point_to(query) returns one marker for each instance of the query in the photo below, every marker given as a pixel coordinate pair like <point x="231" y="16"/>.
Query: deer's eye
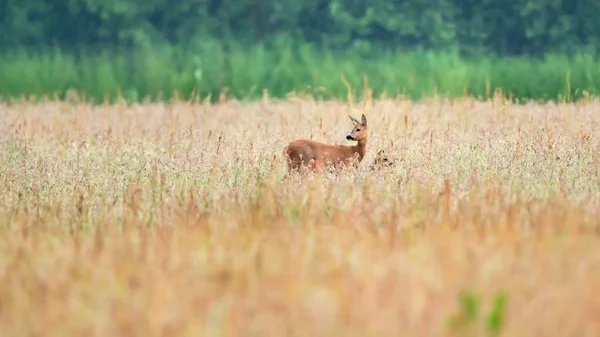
<point x="357" y="130"/>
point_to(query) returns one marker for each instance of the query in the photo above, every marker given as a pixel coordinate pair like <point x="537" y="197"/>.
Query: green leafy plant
<point x="466" y="319"/>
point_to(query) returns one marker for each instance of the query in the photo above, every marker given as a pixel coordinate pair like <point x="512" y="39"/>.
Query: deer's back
<point x="318" y="151"/>
<point x="305" y="148"/>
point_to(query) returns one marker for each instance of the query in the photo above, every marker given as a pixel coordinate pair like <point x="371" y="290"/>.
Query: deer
<point x="381" y="161"/>
<point x="313" y="156"/>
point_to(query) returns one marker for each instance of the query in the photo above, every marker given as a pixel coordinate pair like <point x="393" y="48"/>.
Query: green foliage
<point x="473" y="27"/>
<point x="153" y="48"/>
<point x="495" y="319"/>
<point x="244" y="72"/>
<point x="465" y="320"/>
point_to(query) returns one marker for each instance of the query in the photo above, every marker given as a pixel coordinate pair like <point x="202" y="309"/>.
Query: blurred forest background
<point x="541" y="49"/>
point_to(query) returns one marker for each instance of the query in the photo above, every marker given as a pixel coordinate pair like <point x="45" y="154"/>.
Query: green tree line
<point x="508" y="27"/>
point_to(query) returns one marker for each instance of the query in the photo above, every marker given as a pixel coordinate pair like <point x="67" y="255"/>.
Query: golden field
<point x="172" y="220"/>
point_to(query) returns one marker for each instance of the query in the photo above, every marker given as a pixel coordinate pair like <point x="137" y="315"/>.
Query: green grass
<point x="244" y="73"/>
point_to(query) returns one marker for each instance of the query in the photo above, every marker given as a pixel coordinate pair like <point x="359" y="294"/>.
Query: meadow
<point x="171" y="219"/>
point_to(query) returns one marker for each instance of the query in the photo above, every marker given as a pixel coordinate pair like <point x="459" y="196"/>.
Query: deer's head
<point x="381" y="161"/>
<point x="359" y="131"/>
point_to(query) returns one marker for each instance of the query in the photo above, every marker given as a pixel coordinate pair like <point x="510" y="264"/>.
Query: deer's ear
<point x="353" y="119"/>
<point x="364" y="120"/>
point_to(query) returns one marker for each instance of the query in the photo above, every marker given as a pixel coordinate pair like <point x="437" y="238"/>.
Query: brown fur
<point x="381" y="161"/>
<point x="315" y="156"/>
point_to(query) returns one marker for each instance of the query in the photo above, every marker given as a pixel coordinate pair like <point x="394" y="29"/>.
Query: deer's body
<point x="315" y="156"/>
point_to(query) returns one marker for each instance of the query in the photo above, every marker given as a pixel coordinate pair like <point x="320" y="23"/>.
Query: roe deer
<point x="381" y="161"/>
<point x="315" y="156"/>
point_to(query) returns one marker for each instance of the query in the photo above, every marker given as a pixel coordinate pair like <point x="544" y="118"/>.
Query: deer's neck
<point x="360" y="148"/>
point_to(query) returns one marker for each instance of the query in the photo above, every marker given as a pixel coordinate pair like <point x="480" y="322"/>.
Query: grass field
<point x="172" y="220"/>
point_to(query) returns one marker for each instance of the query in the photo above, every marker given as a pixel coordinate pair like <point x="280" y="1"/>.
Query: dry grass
<point x="172" y="220"/>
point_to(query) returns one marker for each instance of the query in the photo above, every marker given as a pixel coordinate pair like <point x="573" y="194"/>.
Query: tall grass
<point x="172" y="219"/>
<point x="243" y="73"/>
